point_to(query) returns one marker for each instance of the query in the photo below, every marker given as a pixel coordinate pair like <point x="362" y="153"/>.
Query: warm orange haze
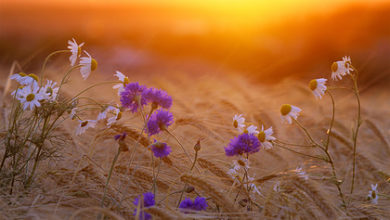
<point x="194" y="109"/>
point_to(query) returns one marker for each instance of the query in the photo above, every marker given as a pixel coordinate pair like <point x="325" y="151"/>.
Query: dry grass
<point x="72" y="187"/>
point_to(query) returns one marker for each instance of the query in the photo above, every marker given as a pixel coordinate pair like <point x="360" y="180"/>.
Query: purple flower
<point x="160" y="149"/>
<point x="198" y="204"/>
<point x="157" y="97"/>
<point x="244" y="143"/>
<point x="131" y="96"/>
<point x="148" y="198"/>
<point x="186" y="204"/>
<point x="158" y="121"/>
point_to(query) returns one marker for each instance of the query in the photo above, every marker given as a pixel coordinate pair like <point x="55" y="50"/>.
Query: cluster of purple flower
<point x="148" y="201"/>
<point x="244" y="143"/>
<point x="198" y="204"/>
<point x="160" y="149"/>
<point x="135" y="96"/>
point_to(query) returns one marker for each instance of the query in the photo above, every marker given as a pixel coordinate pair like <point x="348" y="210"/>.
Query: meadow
<point x="82" y="150"/>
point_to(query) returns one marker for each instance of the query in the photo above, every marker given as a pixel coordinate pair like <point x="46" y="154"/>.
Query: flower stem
<point x="47" y="59"/>
<point x="358" y="123"/>
<point x="109" y="175"/>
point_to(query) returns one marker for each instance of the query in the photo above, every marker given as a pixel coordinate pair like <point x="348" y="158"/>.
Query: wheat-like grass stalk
<point x="163" y="214"/>
<point x="213" y="168"/>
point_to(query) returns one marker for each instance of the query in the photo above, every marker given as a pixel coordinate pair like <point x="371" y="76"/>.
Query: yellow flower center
<point x="49" y="90"/>
<point x="126" y="81"/>
<point x="285" y="109"/>
<point x="235" y="123"/>
<point x="30" y="97"/>
<point x="241" y="163"/>
<point x="373" y="194"/>
<point x="159" y="145"/>
<point x="94" y="64"/>
<point x="22" y="74"/>
<point x="78" y="51"/>
<point x="35" y="77"/>
<point x="261" y="136"/>
<point x="334" y="67"/>
<point x="119" y="116"/>
<point x="84" y="123"/>
<point x="313" y="84"/>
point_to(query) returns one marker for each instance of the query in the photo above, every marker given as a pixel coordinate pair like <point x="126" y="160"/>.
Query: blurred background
<point x="266" y="41"/>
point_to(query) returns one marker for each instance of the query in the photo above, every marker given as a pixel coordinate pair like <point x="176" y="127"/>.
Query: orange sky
<point x="240" y="11"/>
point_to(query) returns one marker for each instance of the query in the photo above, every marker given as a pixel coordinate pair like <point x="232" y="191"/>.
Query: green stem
<point x="355" y="134"/>
<point x="307" y="133"/>
<point x="290" y="144"/>
<point x="297" y="152"/>
<point x="90" y="87"/>
<point x="185" y="185"/>
<point x="109" y="175"/>
<point x="332" y="120"/>
<point x="182" y="147"/>
<point x="47" y="59"/>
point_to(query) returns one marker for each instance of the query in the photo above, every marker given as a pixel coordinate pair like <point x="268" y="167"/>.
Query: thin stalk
<point x="47" y="59"/>
<point x="291" y="144"/>
<point x="185" y="185"/>
<point x="65" y="76"/>
<point x="358" y="123"/>
<point x="109" y="175"/>
<point x="155" y="180"/>
<point x="90" y="87"/>
<point x="297" y="152"/>
<point x="331" y="122"/>
<point x="307" y="133"/>
<point x="182" y="147"/>
<point x="335" y="176"/>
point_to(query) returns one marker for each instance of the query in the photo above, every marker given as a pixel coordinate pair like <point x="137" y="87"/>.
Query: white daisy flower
<point x="29" y="96"/>
<point x="252" y="186"/>
<point x="84" y="125"/>
<point x="373" y="194"/>
<point x="241" y="162"/>
<point x="239" y="122"/>
<point x="288" y="112"/>
<point x="120" y="86"/>
<point x="25" y="79"/>
<point x="252" y="130"/>
<point x="341" y="68"/>
<point x="88" y="65"/>
<point x="73" y="113"/>
<point x="75" y="49"/>
<point x="18" y="93"/>
<point x="49" y="91"/>
<point x="318" y="87"/>
<point x="302" y="174"/>
<point x="265" y="136"/>
<point x="117" y="115"/>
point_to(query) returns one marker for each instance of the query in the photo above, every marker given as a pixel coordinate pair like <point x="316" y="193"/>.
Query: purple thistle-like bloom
<point x="157" y="97"/>
<point x="198" y="204"/>
<point x="186" y="204"/>
<point x="158" y="121"/>
<point x="148" y="198"/>
<point x="244" y="143"/>
<point x="160" y="149"/>
<point x="131" y="96"/>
